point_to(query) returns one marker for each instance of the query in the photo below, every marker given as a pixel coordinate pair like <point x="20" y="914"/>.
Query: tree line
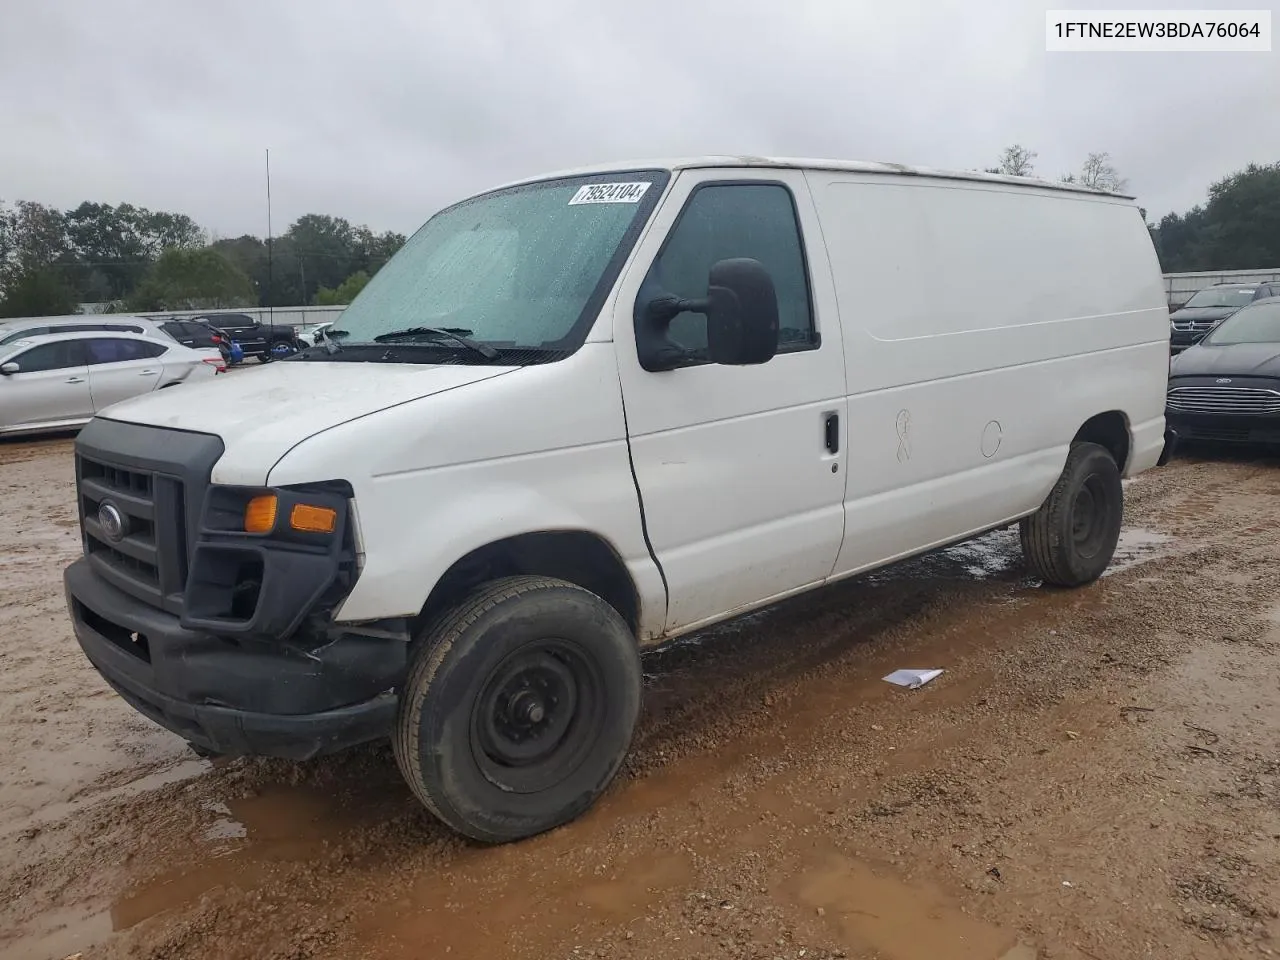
<point x="1237" y="228"/>
<point x="137" y="259"/>
<point x="132" y="258"/>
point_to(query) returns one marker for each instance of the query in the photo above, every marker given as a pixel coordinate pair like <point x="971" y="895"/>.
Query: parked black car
<point x="1211" y="305"/>
<point x="1227" y="387"/>
<point x="262" y="340"/>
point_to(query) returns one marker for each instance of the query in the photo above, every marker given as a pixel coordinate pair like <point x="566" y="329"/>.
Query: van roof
<point x="844" y="166"/>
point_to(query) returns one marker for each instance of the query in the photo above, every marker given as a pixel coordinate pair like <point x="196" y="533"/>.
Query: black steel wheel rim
<point x="1090" y="517"/>
<point x="537" y="716"/>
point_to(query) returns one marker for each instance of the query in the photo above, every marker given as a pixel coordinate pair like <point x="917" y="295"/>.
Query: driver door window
<point x="723" y="221"/>
<point x="51" y="356"/>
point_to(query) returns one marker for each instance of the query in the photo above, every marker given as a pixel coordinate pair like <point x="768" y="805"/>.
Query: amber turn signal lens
<point x="260" y="514"/>
<point x="308" y="519"/>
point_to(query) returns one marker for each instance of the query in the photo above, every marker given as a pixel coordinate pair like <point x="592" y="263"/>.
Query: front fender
<point x="542" y="448"/>
<point x="415" y="526"/>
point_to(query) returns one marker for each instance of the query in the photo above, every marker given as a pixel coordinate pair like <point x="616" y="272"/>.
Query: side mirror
<point x="741" y="308"/>
<point x="9" y="369"/>
<point x="742" y="313"/>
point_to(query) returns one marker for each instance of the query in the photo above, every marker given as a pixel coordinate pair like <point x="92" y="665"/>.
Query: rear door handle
<point x="75" y="379"/>
<point x="147" y="373"/>
<point x="831" y="433"/>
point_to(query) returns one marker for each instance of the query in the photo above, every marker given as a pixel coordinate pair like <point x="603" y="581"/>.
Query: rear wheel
<point x="1070" y="540"/>
<point x="518" y="709"/>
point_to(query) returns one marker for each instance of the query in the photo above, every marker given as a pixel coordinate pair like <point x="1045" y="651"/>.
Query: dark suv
<point x="262" y="340"/>
<point x="1210" y="306"/>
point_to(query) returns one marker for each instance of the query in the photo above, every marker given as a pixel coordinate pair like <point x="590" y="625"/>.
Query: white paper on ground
<point x="912" y="678"/>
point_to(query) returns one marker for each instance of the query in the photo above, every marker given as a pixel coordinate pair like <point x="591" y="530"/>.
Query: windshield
<point x="1259" y="323"/>
<point x="519" y="268"/>
<point x="1221" y="297"/>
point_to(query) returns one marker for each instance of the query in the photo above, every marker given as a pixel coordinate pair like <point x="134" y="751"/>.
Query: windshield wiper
<point x="456" y="334"/>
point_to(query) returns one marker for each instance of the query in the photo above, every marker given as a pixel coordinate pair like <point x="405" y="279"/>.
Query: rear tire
<point x="1070" y="540"/>
<point x="518" y="709"/>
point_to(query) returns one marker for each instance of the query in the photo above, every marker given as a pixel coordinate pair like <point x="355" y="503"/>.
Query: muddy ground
<point x="1094" y="777"/>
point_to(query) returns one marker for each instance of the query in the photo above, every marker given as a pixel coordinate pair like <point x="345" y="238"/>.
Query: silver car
<point x="59" y="381"/>
<point x="11" y="330"/>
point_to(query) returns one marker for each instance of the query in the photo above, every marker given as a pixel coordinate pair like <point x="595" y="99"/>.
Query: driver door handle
<point x="831" y="433"/>
<point x="75" y="379"/>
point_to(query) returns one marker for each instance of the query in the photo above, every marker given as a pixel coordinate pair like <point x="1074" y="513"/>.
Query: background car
<point x="59" y="381"/>
<point x="1227" y="387"/>
<point x="309" y="334"/>
<point x="11" y="330"/>
<point x="1210" y="306"/>
<point x="194" y="333"/>
<point x="266" y="341"/>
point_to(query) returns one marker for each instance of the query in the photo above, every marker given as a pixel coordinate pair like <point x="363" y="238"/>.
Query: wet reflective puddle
<point x="875" y="914"/>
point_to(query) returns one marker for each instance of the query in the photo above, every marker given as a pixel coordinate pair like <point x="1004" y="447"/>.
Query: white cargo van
<point x="582" y="414"/>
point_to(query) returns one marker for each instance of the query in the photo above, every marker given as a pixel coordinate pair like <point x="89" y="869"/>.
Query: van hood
<point x="261" y="413"/>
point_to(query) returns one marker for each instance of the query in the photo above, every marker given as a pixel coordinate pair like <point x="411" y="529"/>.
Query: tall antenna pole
<point x="270" y="304"/>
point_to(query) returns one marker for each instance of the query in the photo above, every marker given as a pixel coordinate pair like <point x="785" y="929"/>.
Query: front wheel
<point x="518" y="709"/>
<point x="1070" y="540"/>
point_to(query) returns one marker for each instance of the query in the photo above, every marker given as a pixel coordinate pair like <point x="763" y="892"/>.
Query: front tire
<point x="518" y="709"/>
<point x="1070" y="540"/>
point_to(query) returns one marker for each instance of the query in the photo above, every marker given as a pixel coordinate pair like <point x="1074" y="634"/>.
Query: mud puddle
<point x="878" y="915"/>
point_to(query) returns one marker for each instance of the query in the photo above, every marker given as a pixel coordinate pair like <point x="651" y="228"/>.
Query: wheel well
<point x="1110" y="430"/>
<point x="573" y="555"/>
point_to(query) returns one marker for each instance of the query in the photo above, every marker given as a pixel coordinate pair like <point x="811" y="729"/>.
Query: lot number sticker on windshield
<point x="610" y="193"/>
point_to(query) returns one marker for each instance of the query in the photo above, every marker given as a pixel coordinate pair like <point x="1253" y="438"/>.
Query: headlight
<point x="261" y="513"/>
<point x="304" y="515"/>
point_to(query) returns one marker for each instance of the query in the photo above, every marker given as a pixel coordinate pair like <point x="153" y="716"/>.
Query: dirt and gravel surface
<point x="1094" y="777"/>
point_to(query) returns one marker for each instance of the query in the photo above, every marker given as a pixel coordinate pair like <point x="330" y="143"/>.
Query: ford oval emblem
<point x="112" y="521"/>
<point x="1223" y="380"/>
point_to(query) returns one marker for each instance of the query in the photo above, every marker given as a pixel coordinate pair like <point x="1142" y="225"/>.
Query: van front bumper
<point x="298" y="699"/>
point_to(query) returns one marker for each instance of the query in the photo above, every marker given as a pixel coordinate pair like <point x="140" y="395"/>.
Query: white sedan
<point x="310" y="333"/>
<point x="59" y="381"/>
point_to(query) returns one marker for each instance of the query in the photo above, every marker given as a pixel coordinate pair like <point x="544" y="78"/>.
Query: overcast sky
<point x="382" y="111"/>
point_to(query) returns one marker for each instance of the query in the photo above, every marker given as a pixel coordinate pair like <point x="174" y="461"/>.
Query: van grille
<point x="138" y="561"/>
<point x="153" y="481"/>
<point x="1247" y="401"/>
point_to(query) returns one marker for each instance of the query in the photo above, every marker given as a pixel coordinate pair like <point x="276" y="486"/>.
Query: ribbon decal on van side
<point x="904" y="438"/>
